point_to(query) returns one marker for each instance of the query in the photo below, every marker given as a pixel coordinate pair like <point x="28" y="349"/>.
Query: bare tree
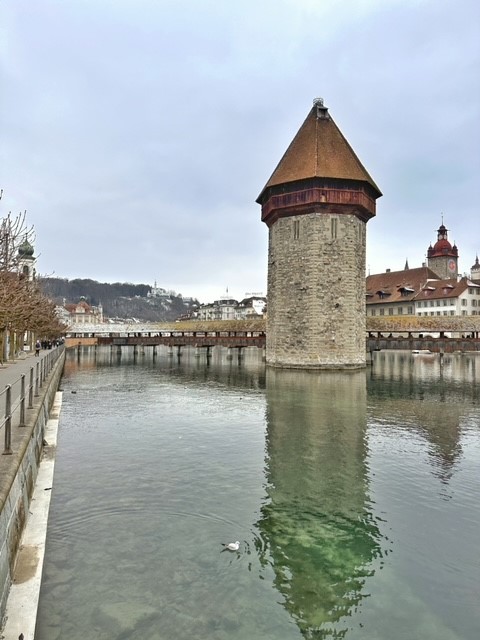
<point x="23" y="308"/>
<point x="14" y="231"/>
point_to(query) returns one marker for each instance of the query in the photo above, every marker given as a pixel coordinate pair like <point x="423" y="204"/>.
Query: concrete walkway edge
<point x="22" y="603"/>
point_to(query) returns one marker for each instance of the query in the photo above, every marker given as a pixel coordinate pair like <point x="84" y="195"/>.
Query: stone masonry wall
<point x="316" y="292"/>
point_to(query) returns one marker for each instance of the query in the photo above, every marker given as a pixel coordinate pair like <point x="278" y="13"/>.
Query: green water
<point x="355" y="499"/>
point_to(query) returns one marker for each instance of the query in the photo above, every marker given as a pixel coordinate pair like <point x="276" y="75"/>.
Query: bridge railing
<point x="18" y="396"/>
<point x="437" y="345"/>
<point x="187" y="338"/>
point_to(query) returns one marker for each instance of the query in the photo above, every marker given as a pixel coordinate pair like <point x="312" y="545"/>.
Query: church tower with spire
<point x="475" y="271"/>
<point x="26" y="260"/>
<point x="316" y="205"/>
<point x="442" y="258"/>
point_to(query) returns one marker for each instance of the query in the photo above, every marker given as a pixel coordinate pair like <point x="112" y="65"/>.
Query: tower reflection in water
<point x="316" y="528"/>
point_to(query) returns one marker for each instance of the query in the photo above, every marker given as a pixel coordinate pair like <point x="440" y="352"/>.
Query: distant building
<point x="393" y="292"/>
<point x="222" y="309"/>
<point x="433" y="290"/>
<point x="251" y="307"/>
<point x="227" y="308"/>
<point x="475" y="271"/>
<point x="448" y="298"/>
<point x="158" y="292"/>
<point x="63" y="314"/>
<point x="83" y="313"/>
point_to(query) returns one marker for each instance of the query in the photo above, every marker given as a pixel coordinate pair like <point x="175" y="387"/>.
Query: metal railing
<point x="19" y="396"/>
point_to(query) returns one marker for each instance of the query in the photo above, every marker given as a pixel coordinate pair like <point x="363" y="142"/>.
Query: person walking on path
<point x="37" y="348"/>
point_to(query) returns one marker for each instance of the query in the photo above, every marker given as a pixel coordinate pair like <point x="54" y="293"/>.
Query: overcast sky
<point x="137" y="134"/>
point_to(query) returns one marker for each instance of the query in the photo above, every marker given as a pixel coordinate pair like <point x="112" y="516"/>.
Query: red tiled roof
<point x="73" y="307"/>
<point x="450" y="288"/>
<point x="396" y="286"/>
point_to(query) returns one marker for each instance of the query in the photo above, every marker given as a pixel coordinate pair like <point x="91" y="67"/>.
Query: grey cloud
<point x="142" y="132"/>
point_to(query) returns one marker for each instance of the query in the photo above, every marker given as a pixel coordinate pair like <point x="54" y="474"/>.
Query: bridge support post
<point x="154" y="350"/>
<point x="229" y="353"/>
<point x="240" y="353"/>
<point x="170" y="351"/>
<point x="209" y="352"/>
<point x="179" y="351"/>
<point x="197" y="351"/>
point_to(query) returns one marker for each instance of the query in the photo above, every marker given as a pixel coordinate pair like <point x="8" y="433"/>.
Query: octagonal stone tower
<point x="316" y="205"/>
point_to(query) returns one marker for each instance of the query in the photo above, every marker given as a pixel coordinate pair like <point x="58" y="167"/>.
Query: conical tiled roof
<point x="319" y="150"/>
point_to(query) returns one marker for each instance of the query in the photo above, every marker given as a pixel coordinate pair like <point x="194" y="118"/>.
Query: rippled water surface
<point x="355" y="499"/>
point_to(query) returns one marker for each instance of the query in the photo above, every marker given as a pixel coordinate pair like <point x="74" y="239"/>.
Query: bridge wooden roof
<point x="423" y="324"/>
<point x="252" y="324"/>
<point x="319" y="150"/>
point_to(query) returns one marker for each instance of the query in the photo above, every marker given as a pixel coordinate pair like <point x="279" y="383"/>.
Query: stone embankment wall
<point x="18" y="473"/>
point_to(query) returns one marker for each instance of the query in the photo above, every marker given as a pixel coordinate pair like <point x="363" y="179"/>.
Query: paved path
<point x="10" y="374"/>
<point x="23" y="598"/>
<point x="11" y="371"/>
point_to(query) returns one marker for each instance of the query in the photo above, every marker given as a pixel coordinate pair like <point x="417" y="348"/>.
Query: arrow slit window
<point x="334" y="228"/>
<point x="296" y="229"/>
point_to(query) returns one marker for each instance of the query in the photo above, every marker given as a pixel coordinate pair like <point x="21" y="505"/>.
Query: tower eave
<point x="328" y="196"/>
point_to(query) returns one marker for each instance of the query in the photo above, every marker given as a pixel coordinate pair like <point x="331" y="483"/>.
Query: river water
<point x="355" y="498"/>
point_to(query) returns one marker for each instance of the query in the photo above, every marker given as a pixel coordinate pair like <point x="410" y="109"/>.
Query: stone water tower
<point x="316" y="205"/>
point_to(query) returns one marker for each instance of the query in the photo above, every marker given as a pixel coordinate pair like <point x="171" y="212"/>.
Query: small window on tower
<point x="333" y="227"/>
<point x="296" y="229"/>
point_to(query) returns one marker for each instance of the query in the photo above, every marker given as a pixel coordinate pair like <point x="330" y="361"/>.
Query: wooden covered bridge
<point x="447" y="334"/>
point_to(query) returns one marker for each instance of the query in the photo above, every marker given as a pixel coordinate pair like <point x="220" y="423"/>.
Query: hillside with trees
<point x="120" y="300"/>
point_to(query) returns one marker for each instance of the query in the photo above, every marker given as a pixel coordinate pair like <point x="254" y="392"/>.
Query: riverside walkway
<point x="11" y="372"/>
<point x="24" y="386"/>
<point x="13" y="369"/>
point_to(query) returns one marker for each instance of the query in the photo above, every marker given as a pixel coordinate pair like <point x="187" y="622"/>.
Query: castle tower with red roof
<point x="316" y="205"/>
<point x="442" y="258"/>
